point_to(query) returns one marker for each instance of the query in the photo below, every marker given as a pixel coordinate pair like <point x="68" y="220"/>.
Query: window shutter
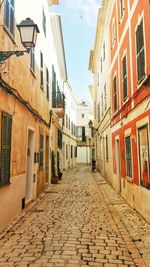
<point x="140" y="53"/>
<point x="41" y="70"/>
<point x="9" y="15"/>
<point x="124" y="78"/>
<point x="5" y="149"/>
<point x="115" y="94"/>
<point x="53" y="87"/>
<point x="83" y="134"/>
<point x="41" y="149"/>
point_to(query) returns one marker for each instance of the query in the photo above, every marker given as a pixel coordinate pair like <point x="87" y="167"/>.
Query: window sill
<point x="143" y="81"/>
<point x="125" y="100"/>
<point x="4" y="185"/>
<point x="12" y="37"/>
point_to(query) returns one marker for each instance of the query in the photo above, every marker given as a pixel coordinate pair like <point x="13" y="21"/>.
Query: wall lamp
<point x="93" y="130"/>
<point x="28" y="34"/>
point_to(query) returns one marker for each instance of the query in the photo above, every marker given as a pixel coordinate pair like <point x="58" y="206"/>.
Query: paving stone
<point x="85" y="223"/>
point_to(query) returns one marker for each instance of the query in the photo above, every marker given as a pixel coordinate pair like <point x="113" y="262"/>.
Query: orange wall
<point x="120" y="132"/>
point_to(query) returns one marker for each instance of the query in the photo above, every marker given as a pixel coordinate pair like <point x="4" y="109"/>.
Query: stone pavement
<point x="79" y="222"/>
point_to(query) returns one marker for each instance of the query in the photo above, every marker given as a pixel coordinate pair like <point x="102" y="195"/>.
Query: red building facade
<point x="130" y="100"/>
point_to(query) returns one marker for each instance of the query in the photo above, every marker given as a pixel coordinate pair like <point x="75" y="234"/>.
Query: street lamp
<point x="93" y="130"/>
<point x="28" y="34"/>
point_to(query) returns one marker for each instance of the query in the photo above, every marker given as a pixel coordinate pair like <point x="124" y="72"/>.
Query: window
<point x="47" y="84"/>
<point x="66" y="121"/>
<point x="144" y="158"/>
<point x="44" y="23"/>
<point x="124" y="78"/>
<point x="75" y="152"/>
<point x="32" y="59"/>
<point x="102" y="105"/>
<point x="82" y="115"/>
<point x="101" y="65"/>
<point x="106" y="147"/>
<point x="103" y="51"/>
<point x="115" y="93"/>
<point x="9" y="16"/>
<point x="80" y="131"/>
<point x="140" y="53"/>
<point x="121" y="8"/>
<point x="59" y="139"/>
<point x="98" y="112"/>
<point x="113" y="33"/>
<point x="128" y="156"/>
<point x="66" y="151"/>
<point x="69" y="123"/>
<point x="41" y="70"/>
<point x="71" y="127"/>
<point x="71" y="151"/>
<point x="41" y="149"/>
<point x="5" y="149"/>
<point x="53" y="88"/>
<point x="105" y="97"/>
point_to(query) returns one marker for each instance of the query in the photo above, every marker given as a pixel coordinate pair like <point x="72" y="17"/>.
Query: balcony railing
<point x="58" y="100"/>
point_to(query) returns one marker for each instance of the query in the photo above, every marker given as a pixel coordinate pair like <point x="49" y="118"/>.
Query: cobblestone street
<point x="82" y="222"/>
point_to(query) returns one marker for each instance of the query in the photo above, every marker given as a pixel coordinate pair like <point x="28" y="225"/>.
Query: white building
<point x="99" y="65"/>
<point x="83" y="133"/>
<point x="69" y="128"/>
<point x="59" y="78"/>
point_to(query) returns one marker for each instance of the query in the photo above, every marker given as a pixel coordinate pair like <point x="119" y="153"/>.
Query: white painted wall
<point x="69" y="139"/>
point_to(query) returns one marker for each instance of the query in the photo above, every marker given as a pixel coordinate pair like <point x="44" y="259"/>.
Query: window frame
<point x="115" y="95"/>
<point x="7" y="21"/>
<point x="106" y="148"/>
<point x="142" y="126"/>
<point x="44" y="22"/>
<point x="130" y="175"/>
<point x="5" y="147"/>
<point x="41" y="150"/>
<point x="139" y="81"/>
<point x="41" y="71"/>
<point x="32" y="60"/>
<point x="47" y="84"/>
<point x="113" y="33"/>
<point x="125" y="77"/>
<point x="122" y="10"/>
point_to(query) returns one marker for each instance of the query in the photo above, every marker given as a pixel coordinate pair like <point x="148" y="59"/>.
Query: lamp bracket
<point x="6" y="54"/>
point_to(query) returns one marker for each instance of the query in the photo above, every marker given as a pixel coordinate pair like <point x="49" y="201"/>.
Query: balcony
<point x="58" y="103"/>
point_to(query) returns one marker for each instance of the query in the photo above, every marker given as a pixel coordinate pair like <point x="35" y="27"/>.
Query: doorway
<point x="118" y="166"/>
<point x="144" y="156"/>
<point x="47" y="159"/>
<point x="30" y="162"/>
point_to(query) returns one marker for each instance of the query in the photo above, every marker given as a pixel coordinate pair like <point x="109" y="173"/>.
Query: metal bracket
<point x="6" y="54"/>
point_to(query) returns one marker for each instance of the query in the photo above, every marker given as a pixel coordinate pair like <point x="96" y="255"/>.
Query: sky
<point x="79" y="19"/>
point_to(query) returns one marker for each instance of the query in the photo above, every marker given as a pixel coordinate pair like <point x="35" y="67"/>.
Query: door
<point x="30" y="162"/>
<point x="118" y="166"/>
<point x="47" y="158"/>
<point x="144" y="156"/>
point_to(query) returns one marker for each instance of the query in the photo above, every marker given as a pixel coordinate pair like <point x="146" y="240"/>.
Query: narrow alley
<point x="81" y="221"/>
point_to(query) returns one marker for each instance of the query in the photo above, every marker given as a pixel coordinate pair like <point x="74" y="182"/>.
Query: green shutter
<point x="124" y="77"/>
<point x="53" y="87"/>
<point x="140" y="53"/>
<point x="5" y="149"/>
<point x="115" y="93"/>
